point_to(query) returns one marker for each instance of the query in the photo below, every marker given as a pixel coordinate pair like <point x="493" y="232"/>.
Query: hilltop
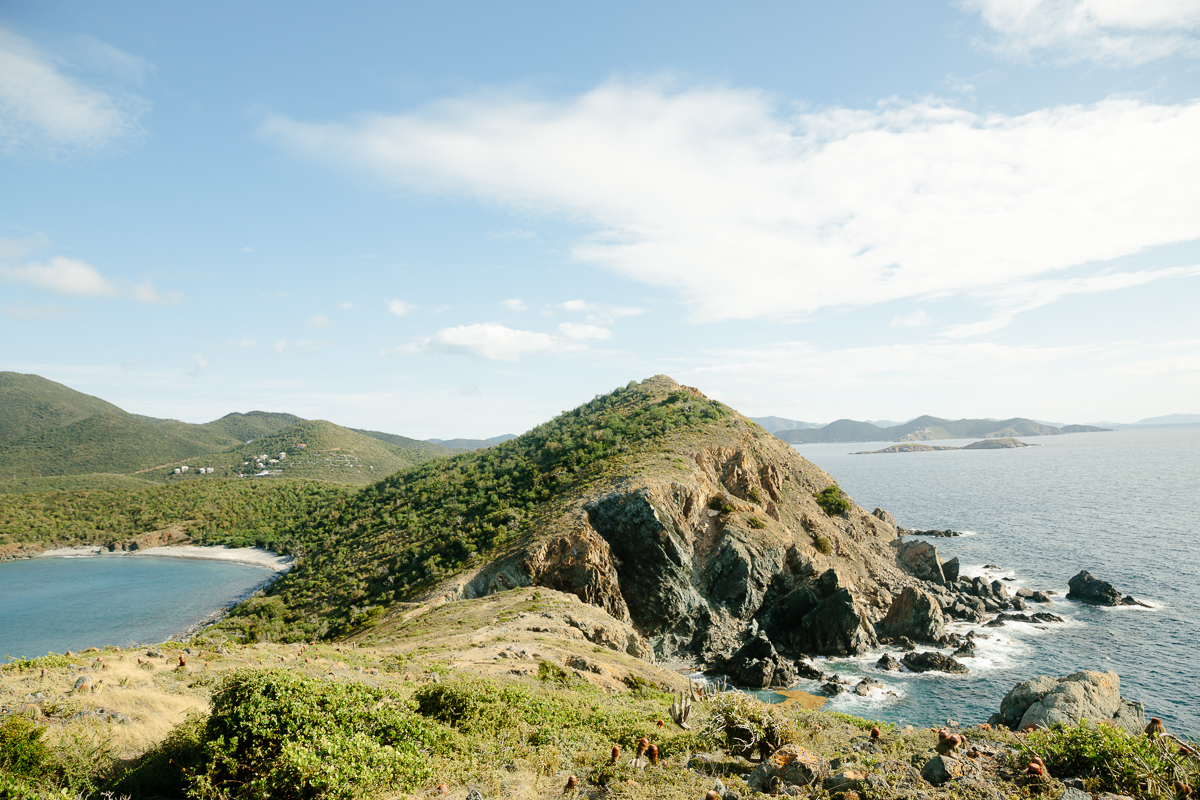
<point x="670" y="511"/>
<point x="926" y="428"/>
<point x="48" y="431"/>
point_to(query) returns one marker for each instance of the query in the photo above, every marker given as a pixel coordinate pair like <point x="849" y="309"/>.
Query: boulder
<point x="945" y="768"/>
<point x="864" y="687"/>
<point x="1086" y="588"/>
<point x="884" y="516"/>
<point x="968" y="650"/>
<point x="950" y="570"/>
<point x="932" y="662"/>
<point x="838" y="626"/>
<point x="1094" y="696"/>
<point x="791" y="764"/>
<point x="888" y="662"/>
<point x="920" y="559"/>
<point x="756" y="665"/>
<point x="914" y="614"/>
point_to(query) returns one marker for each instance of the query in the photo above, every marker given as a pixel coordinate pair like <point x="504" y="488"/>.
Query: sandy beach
<point x="254" y="556"/>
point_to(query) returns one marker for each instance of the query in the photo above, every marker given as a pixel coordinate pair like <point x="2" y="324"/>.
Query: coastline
<point x="252" y="556"/>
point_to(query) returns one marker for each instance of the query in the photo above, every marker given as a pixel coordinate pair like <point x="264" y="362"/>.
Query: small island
<point x="1003" y="443"/>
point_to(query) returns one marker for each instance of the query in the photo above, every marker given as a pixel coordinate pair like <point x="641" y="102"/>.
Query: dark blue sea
<point x="59" y="604"/>
<point x="1123" y="505"/>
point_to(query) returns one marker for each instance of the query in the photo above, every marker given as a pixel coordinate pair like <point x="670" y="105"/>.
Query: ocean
<point x="1118" y="504"/>
<point x="59" y="604"/>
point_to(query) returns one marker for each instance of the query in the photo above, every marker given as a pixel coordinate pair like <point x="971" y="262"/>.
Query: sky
<point x="459" y="219"/>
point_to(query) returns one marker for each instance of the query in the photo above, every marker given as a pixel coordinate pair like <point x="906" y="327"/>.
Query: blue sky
<point x="459" y="219"/>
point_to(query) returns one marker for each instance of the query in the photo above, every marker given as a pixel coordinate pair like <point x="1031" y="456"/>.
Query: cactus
<point x="681" y="709"/>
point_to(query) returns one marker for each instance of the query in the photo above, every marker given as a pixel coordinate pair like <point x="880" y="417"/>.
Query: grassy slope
<point x="405" y="443"/>
<point x="33" y="404"/>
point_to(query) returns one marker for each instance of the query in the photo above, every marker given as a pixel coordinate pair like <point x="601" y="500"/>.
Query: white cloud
<point x="281" y="346"/>
<point x="345" y="305"/>
<point x="12" y="249"/>
<point x="44" y="111"/>
<point x="577" y="305"/>
<point x="1113" y="31"/>
<point x="146" y="293"/>
<point x="243" y="344"/>
<point x="319" y="322"/>
<point x="571" y="330"/>
<point x="492" y="341"/>
<point x="514" y="304"/>
<point x="400" y="307"/>
<point x="749" y="212"/>
<point x="62" y="276"/>
<point x="916" y="319"/>
<point x="1011" y="300"/>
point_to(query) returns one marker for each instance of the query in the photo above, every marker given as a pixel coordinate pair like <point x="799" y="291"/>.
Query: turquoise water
<point x="59" y="604"/>
<point x="1121" y="505"/>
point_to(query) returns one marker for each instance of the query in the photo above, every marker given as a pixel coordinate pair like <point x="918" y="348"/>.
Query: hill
<point x="472" y="444"/>
<point x="1171" y="419"/>
<point x="311" y="449"/>
<point x="775" y="424"/>
<point x="668" y="510"/>
<point x="926" y="428"/>
<point x="50" y="431"/>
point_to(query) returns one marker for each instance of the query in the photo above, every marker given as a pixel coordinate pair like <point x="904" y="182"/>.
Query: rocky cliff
<point x="714" y="537"/>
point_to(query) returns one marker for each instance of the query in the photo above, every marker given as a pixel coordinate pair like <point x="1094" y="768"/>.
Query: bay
<point x="59" y="604"/>
<point x="1120" y="505"/>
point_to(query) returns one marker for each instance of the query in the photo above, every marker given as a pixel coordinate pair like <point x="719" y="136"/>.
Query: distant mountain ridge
<point x="925" y="428"/>
<point x="1171" y="419"/>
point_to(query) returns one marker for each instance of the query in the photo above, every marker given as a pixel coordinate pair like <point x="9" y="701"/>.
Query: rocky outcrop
<point x="757" y="665"/>
<point x="932" y="662"/>
<point x="1045" y="700"/>
<point x="915" y="614"/>
<point x="790" y="765"/>
<point x="921" y="560"/>
<point x="1086" y="588"/>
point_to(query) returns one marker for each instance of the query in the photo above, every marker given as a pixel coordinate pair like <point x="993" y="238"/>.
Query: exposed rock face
<point x="932" y="662"/>
<point x="838" y="626"/>
<point x="921" y="559"/>
<point x="950" y="570"/>
<point x="757" y="665"/>
<point x="945" y="768"/>
<point x="792" y="765"/>
<point x="1087" y="588"/>
<point x="914" y="614"/>
<point x="1094" y="696"/>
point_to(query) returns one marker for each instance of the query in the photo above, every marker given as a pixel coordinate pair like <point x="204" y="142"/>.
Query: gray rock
<point x="932" y="662"/>
<point x="888" y="662"/>
<point x="474" y="794"/>
<point x="968" y="650"/>
<point x="791" y="764"/>
<point x="866" y="685"/>
<point x="838" y="627"/>
<point x="942" y="769"/>
<point x="757" y="665"/>
<point x="920" y="559"/>
<point x="1089" y="589"/>
<point x="1095" y="696"/>
<point x="1075" y="794"/>
<point x="880" y="514"/>
<point x="914" y="614"/>
<point x="950" y="570"/>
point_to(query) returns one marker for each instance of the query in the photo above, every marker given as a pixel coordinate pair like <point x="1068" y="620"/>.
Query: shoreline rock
<point x="1087" y="588"/>
<point x="1045" y="701"/>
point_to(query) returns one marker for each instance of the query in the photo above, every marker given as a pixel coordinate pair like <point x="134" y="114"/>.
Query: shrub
<point x="747" y="727"/>
<point x="280" y="735"/>
<point x="832" y="501"/>
<point x="755" y="495"/>
<point x="1117" y="760"/>
<point x="823" y="545"/>
<point x="756" y="523"/>
<point x="23" y="754"/>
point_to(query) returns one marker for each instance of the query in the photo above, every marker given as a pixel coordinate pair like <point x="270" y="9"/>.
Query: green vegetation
<point x="400" y="535"/>
<point x="237" y="513"/>
<point x="832" y="501"/>
<point x="278" y="734"/>
<point x="1110" y="759"/>
<point x="823" y="545"/>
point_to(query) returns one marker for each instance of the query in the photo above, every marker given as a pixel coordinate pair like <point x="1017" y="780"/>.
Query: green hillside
<point x="923" y="428"/>
<point x="233" y="512"/>
<point x="32" y="404"/>
<point x="256" y="424"/>
<point x="312" y="449"/>
<point x="399" y="536"/>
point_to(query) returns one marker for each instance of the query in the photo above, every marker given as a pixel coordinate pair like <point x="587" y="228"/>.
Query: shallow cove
<point x="59" y="604"/>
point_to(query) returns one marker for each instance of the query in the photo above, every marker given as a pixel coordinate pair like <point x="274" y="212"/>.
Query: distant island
<point x="924" y="428"/>
<point x="913" y="447"/>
